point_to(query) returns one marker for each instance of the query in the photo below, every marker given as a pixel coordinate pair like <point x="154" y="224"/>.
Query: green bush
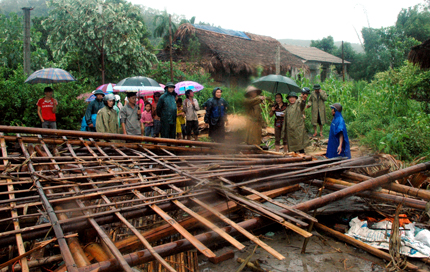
<point x="19" y="99"/>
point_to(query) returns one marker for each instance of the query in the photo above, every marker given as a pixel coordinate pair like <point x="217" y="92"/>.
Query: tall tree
<point x="161" y="23"/>
<point x="11" y="44"/>
<point x="325" y="44"/>
<point x="415" y="22"/>
<point x="96" y="36"/>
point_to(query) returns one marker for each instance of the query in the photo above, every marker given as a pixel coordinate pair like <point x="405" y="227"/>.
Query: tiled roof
<point x="312" y="54"/>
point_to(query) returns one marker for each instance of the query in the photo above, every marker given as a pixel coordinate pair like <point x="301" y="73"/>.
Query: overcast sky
<point x="290" y="19"/>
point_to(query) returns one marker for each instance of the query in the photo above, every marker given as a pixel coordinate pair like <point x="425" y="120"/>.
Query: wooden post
<point x="27" y="68"/>
<point x="278" y="60"/>
<point x="343" y="65"/>
<point x="170" y="46"/>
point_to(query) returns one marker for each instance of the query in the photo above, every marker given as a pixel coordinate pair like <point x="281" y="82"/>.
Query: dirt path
<point x="323" y="253"/>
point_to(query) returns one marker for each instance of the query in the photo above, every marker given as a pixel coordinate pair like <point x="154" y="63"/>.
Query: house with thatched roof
<point x="420" y="55"/>
<point x="317" y="60"/>
<point x="231" y="57"/>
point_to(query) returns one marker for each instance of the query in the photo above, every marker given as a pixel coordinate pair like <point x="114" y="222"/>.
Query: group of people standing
<point x="167" y="115"/>
<point x="290" y="117"/>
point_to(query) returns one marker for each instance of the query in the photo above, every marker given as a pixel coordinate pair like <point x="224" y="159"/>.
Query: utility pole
<point x="170" y="42"/>
<point x="343" y="65"/>
<point x="27" y="68"/>
<point x="278" y="60"/>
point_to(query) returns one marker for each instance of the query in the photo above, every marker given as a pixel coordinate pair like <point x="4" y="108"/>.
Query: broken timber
<point x="129" y="195"/>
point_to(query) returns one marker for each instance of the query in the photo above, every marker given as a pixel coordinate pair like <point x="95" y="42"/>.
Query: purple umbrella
<point x="182" y="86"/>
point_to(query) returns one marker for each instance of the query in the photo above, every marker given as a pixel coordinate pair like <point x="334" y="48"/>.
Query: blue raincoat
<point x="338" y="126"/>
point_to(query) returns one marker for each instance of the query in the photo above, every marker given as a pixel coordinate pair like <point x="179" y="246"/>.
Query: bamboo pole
<point x="65" y="251"/>
<point x="166" y="229"/>
<point x="113" y="136"/>
<point x="366" y="185"/>
<point x="183" y="245"/>
<point x="130" y="226"/>
<point x="14" y="213"/>
<point x="415" y="192"/>
<point x="101" y="232"/>
<point x="414" y="203"/>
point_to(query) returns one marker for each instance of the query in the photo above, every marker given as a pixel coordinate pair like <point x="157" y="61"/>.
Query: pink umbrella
<point x="182" y="86"/>
<point x="104" y="87"/>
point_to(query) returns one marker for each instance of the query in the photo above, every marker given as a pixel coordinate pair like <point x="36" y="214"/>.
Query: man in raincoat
<point x="93" y="108"/>
<point x="338" y="142"/>
<point x="107" y="117"/>
<point x="317" y="102"/>
<point x="294" y="123"/>
<point x="167" y="111"/>
<point x="255" y="120"/>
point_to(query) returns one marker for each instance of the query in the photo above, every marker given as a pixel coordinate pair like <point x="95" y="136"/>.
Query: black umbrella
<point x="276" y="84"/>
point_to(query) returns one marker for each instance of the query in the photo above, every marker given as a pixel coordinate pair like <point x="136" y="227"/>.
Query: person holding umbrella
<point x="278" y="110"/>
<point x="166" y="110"/>
<point x="107" y="117"/>
<point x="294" y="125"/>
<point x="255" y="120"/>
<point x="317" y="102"/>
<point x="216" y="115"/>
<point x="46" y="109"/>
<point x="93" y="108"/>
<point x="191" y="106"/>
<point x="130" y="116"/>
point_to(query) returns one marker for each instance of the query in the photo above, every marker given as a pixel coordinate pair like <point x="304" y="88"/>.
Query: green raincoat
<point x="318" y="107"/>
<point x="254" y="120"/>
<point x="294" y="126"/>
<point x="107" y="121"/>
<point x="167" y="111"/>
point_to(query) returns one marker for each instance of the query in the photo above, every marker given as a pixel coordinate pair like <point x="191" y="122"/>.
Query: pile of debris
<point x="80" y="201"/>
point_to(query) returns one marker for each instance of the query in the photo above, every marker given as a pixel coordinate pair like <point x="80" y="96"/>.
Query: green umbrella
<point x="276" y="84"/>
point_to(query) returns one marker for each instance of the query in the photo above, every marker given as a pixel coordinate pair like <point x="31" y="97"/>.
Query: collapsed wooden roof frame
<point x="106" y="170"/>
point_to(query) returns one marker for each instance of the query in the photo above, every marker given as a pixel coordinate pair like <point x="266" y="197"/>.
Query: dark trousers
<point x="217" y="132"/>
<point x="192" y="126"/>
<point x="49" y="124"/>
<point x="168" y="130"/>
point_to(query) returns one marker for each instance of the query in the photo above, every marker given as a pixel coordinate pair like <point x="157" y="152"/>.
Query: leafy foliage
<point x="415" y="22"/>
<point x="325" y="44"/>
<point x="382" y="114"/>
<point x="20" y="100"/>
<point x="11" y="45"/>
<point x="83" y="31"/>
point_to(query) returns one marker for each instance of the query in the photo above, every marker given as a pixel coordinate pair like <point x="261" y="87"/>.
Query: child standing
<point x="147" y="120"/>
<point x="180" y="119"/>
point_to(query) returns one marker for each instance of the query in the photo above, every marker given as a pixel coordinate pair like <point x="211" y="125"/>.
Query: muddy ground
<point x="323" y="254"/>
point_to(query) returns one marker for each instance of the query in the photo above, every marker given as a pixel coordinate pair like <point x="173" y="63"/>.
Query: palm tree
<point x="161" y="21"/>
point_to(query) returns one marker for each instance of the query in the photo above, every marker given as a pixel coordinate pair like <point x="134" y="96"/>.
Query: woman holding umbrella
<point x="255" y="121"/>
<point x="294" y="125"/>
<point x="216" y="115"/>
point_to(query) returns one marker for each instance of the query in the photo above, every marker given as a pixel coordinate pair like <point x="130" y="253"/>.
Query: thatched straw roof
<point x="420" y="55"/>
<point x="233" y="54"/>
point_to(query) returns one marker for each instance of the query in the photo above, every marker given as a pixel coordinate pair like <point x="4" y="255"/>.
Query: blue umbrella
<point x="50" y="75"/>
